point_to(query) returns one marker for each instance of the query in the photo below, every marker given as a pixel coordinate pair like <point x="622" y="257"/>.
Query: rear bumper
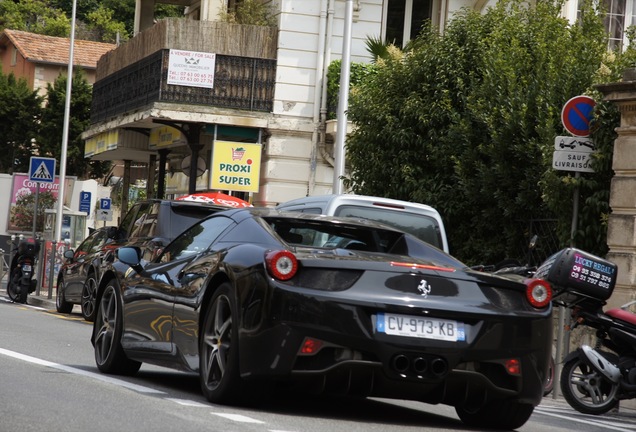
<point x="356" y="359"/>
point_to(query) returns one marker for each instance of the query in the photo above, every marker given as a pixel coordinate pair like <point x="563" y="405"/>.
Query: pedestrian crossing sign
<point x="42" y="169"/>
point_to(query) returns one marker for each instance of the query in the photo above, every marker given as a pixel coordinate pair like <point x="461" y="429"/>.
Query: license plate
<point x="419" y="327"/>
<point x="26" y="267"/>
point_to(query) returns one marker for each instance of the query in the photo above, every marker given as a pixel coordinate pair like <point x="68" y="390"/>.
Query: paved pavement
<point x="550" y="400"/>
<point x="42" y="301"/>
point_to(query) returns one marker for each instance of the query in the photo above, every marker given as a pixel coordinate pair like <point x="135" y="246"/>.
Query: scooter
<point x="593" y="379"/>
<point x="21" y="283"/>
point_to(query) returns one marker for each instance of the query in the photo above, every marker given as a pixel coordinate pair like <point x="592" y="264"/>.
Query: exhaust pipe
<point x="439" y="367"/>
<point x="420" y="365"/>
<point x="599" y="363"/>
<point x="401" y="363"/>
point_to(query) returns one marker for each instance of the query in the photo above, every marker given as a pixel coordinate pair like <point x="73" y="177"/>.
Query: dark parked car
<point x="76" y="281"/>
<point x="253" y="294"/>
<point x="149" y="224"/>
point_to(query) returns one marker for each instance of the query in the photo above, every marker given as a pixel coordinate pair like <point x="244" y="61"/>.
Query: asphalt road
<point x="49" y="382"/>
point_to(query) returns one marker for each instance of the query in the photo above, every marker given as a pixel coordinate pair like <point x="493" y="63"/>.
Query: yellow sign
<point x="235" y="166"/>
<point x="165" y="136"/>
<point x="100" y="143"/>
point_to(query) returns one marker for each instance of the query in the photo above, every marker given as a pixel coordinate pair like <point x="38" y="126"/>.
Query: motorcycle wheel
<point x="24" y="292"/>
<point x="586" y="390"/>
<point x="549" y="382"/>
<point x="13" y="288"/>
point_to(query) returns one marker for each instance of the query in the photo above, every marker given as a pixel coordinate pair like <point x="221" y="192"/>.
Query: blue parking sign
<point x="104" y="204"/>
<point x="85" y="202"/>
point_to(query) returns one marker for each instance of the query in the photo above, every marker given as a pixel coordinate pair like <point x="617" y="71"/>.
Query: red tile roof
<point x="39" y="48"/>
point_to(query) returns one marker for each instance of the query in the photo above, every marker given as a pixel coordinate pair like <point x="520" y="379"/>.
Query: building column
<point x="150" y="185"/>
<point x="125" y="189"/>
<point x="621" y="232"/>
<point x="161" y="182"/>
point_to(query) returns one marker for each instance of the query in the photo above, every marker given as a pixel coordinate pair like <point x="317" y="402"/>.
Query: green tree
<point x="250" y="12"/>
<point x="467" y="120"/>
<point x="35" y="16"/>
<point x="20" y="110"/>
<point x="107" y="29"/>
<point x="52" y="124"/>
<point x="22" y="212"/>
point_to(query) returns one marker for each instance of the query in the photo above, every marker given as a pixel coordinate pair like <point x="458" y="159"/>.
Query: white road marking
<point x="605" y="424"/>
<point x="69" y="369"/>
<point x="190" y="403"/>
<point x="8" y="300"/>
<point x="238" y="418"/>
<point x="121" y="383"/>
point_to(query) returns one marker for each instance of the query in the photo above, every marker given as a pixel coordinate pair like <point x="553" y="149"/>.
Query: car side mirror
<point x="131" y="256"/>
<point x="68" y="254"/>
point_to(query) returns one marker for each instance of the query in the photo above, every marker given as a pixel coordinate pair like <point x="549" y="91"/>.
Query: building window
<point x="619" y="15"/>
<point x="14" y="56"/>
<point x="404" y="19"/>
<point x="615" y="22"/>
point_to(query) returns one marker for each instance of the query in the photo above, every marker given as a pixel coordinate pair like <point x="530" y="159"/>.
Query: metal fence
<point x="547" y="241"/>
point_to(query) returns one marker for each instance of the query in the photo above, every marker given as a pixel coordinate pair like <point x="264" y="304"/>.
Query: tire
<point x="107" y="331"/>
<point x="549" y="382"/>
<point x="218" y="349"/>
<point x="88" y="298"/>
<point x="11" y="288"/>
<point x="500" y="414"/>
<point x="586" y="390"/>
<point x="24" y="292"/>
<point x="16" y="292"/>
<point x="61" y="304"/>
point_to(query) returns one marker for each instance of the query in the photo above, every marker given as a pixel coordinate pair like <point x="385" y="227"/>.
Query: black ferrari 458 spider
<point x="347" y="306"/>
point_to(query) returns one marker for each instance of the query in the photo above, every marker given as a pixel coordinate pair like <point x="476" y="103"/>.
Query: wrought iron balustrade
<point x="239" y="83"/>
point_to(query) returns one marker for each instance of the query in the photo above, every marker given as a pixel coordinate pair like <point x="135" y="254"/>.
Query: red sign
<point x="577" y="114"/>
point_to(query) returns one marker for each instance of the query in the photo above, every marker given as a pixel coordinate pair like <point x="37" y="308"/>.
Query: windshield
<point x="421" y="226"/>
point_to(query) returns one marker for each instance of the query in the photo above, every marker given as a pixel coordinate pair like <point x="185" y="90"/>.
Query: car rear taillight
<point x="538" y="292"/>
<point x="513" y="366"/>
<point x="281" y="264"/>
<point x="310" y="346"/>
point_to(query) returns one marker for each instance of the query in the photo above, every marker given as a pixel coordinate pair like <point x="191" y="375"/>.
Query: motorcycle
<point x="21" y="283"/>
<point x="593" y="379"/>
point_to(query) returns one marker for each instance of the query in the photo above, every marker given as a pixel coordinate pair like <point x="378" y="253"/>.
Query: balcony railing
<point x="239" y="83"/>
<point x="134" y="75"/>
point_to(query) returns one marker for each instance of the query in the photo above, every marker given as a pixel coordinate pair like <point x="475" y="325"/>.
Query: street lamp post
<point x="343" y="101"/>
<point x="67" y="109"/>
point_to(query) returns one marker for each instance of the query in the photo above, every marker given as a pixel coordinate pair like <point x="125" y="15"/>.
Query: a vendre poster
<point x="22" y="186"/>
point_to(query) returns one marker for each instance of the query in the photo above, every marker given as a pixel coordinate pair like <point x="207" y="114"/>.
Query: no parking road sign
<point x="577" y="114"/>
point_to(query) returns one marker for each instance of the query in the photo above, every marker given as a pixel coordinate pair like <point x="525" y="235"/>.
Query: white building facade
<point x="297" y="152"/>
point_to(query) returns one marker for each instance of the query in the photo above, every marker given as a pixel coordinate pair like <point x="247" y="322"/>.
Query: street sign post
<point x="85" y="202"/>
<point x="104" y="213"/>
<point x="573" y="154"/>
<point x="576" y="115"/>
<point x="42" y="169"/>
<point x="104" y="203"/>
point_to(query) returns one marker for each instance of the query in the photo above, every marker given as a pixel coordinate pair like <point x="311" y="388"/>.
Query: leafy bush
<point x="466" y="121"/>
